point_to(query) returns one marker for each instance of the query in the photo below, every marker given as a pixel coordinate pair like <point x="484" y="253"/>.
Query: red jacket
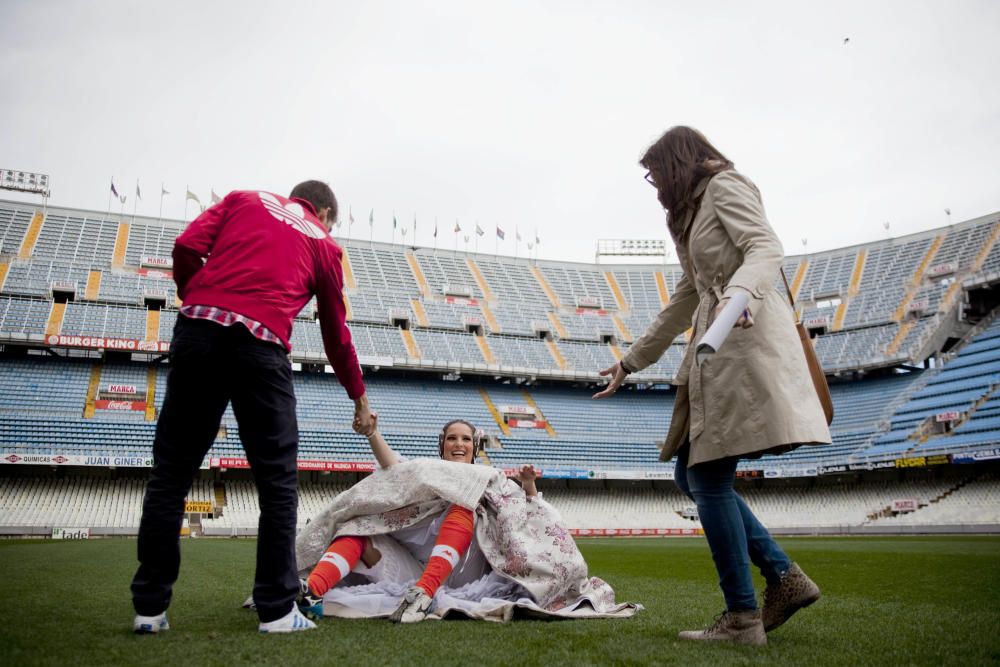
<point x="266" y="256"/>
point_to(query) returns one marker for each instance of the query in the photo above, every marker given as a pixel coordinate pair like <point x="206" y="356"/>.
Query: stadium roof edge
<point x="179" y="225"/>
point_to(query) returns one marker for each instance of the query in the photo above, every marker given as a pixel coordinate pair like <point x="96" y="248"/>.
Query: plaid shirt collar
<point x="227" y="318"/>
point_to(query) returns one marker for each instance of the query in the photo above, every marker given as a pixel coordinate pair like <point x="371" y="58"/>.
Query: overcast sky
<point x="522" y="114"/>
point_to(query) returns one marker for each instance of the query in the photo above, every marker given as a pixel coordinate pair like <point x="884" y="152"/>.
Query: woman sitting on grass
<point x="445" y="537"/>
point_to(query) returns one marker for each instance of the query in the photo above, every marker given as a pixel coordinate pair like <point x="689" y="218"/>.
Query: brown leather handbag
<point x="812" y="361"/>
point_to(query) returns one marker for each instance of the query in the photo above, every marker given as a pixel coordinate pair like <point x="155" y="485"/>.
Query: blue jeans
<point x="734" y="534"/>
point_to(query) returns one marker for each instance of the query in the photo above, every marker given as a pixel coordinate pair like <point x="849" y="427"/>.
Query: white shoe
<point x="414" y="607"/>
<point x="150" y="625"/>
<point x="293" y="621"/>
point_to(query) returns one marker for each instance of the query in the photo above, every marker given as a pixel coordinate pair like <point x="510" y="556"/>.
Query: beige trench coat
<point x="755" y="394"/>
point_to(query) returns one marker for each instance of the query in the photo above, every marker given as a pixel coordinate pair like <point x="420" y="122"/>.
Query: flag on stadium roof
<point x="114" y="190"/>
<point x="163" y="190"/>
<point x="371" y="218"/>
<point x="500" y="233"/>
<point x="350" y="216"/>
<point x="394" y="223"/>
<point x="458" y="227"/>
<point x="435" y="228"/>
<point x="479" y="230"/>
<point x="193" y="197"/>
<point x="138" y="193"/>
<point x="215" y="198"/>
<point x="517" y="234"/>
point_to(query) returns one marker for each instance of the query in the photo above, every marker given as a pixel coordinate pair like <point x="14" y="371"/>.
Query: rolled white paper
<point x="723" y="324"/>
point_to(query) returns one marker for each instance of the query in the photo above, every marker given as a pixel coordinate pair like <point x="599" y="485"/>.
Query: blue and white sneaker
<point x="150" y="625"/>
<point x="308" y="603"/>
<point x="293" y="621"/>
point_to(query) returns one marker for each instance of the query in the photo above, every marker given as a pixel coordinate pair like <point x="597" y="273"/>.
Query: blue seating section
<point x="42" y="405"/>
<point x="961" y="385"/>
<point x="579" y="306"/>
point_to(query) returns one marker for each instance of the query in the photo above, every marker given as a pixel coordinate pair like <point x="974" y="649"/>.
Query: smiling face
<point x="458" y="444"/>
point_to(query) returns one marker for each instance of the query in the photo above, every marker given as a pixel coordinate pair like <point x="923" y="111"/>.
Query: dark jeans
<point x="735" y="536"/>
<point x="211" y="365"/>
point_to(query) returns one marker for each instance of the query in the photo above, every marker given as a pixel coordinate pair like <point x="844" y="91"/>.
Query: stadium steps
<point x="852" y="290"/>
<point x="345" y="264"/>
<point x="484" y="347"/>
<point x="965" y="416"/>
<point x="557" y="326"/>
<point x="859" y="269"/>
<point x="497" y="417"/>
<point x="418" y="273"/>
<point x="544" y="284"/>
<point x="56" y="315"/>
<point x="151" y="393"/>
<point x="530" y="400"/>
<point x="348" y="313"/>
<point x="411" y="343"/>
<point x="121" y="244"/>
<point x="887" y="510"/>
<point x="950" y="491"/>
<point x="987" y="247"/>
<point x="477" y="275"/>
<point x="93" y="286"/>
<point x="661" y="288"/>
<point x="31" y="235"/>
<point x="220" y="497"/>
<point x="615" y="350"/>
<point x="800" y="275"/>
<point x="491" y="320"/>
<point x="918" y="276"/>
<point x="152" y="324"/>
<point x="4" y="268"/>
<point x="419" y="312"/>
<point x="622" y="329"/>
<point x="616" y="291"/>
<point x="556" y="354"/>
<point x="904" y="330"/>
<point x="92" y="388"/>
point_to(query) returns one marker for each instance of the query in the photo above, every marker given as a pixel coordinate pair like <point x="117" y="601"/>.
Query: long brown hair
<point x="677" y="162"/>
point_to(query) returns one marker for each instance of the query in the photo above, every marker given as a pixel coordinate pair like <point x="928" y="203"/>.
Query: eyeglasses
<point x="649" y="179"/>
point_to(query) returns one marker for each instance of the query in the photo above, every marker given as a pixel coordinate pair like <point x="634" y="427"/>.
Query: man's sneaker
<point x="739" y="627"/>
<point x="293" y="621"/>
<point x="414" y="607"/>
<point x="793" y="592"/>
<point x="309" y="604"/>
<point x="150" y="625"/>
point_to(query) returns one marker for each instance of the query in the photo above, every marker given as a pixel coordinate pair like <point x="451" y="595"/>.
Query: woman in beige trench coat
<point x="755" y="395"/>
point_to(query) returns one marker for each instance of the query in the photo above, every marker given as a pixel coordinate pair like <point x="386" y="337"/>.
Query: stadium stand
<point x="515" y="345"/>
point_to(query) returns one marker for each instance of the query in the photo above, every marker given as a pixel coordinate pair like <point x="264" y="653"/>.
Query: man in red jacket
<point x="244" y="269"/>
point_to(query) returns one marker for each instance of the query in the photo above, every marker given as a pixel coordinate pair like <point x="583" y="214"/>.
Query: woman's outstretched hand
<point x="526" y="475"/>
<point x="616" y="375"/>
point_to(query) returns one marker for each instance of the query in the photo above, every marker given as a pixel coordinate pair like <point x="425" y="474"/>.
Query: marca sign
<point x="156" y="262"/>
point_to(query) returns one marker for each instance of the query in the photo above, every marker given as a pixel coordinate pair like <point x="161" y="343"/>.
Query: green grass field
<point x="918" y="600"/>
